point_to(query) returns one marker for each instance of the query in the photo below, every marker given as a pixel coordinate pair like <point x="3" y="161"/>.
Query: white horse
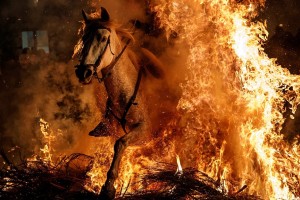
<point x="104" y="50"/>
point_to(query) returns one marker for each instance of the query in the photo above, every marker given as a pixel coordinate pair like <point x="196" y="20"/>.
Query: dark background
<point x="35" y="85"/>
<point x="60" y="18"/>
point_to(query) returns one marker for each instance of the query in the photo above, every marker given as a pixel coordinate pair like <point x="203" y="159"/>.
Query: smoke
<point x="50" y="92"/>
<point x="37" y="86"/>
<point x="46" y="86"/>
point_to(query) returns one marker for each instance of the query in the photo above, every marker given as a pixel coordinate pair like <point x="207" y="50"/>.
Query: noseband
<point x="111" y="65"/>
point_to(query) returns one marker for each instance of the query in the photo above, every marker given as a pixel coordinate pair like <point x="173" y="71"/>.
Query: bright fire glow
<point x="234" y="96"/>
<point x="179" y="167"/>
<point x="231" y="107"/>
<point x="102" y="159"/>
<point x="49" y="139"/>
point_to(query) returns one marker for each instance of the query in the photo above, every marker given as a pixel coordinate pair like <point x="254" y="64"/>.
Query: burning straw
<point x="168" y="183"/>
<point x="40" y="180"/>
<point x="65" y="180"/>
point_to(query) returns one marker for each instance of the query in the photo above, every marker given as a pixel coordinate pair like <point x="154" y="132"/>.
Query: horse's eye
<point x="104" y="39"/>
<point x="98" y="37"/>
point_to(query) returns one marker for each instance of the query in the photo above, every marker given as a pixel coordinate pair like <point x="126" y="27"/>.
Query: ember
<point x="191" y="184"/>
<point x="40" y="180"/>
<point x="64" y="180"/>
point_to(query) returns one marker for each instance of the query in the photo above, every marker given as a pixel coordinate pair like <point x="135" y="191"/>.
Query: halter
<point x="112" y="64"/>
<point x="122" y="120"/>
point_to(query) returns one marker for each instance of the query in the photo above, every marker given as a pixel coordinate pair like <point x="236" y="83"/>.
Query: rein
<point x="112" y="64"/>
<point x="131" y="101"/>
<point x="122" y="120"/>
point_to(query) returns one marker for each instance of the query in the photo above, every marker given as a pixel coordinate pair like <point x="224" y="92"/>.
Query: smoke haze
<point x="45" y="86"/>
<point x="36" y="85"/>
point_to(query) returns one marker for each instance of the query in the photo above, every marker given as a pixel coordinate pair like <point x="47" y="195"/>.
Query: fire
<point x="231" y="106"/>
<point x="234" y="96"/>
<point x="179" y="167"/>
<point x="100" y="166"/>
<point x="49" y="139"/>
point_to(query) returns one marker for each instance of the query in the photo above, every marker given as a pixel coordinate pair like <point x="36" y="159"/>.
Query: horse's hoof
<point x="101" y="130"/>
<point x="107" y="194"/>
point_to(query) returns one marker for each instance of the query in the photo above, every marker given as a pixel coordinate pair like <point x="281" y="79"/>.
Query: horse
<point x="104" y="49"/>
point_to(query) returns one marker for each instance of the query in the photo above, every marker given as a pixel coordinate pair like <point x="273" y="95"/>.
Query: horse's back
<point x="153" y="64"/>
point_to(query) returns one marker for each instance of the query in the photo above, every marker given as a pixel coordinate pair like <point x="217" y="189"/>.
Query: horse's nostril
<point x="78" y="73"/>
<point x="87" y="73"/>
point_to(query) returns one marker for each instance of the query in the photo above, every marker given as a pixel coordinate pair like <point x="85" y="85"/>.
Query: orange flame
<point x="179" y="167"/>
<point x="231" y="105"/>
<point x="97" y="174"/>
<point x="233" y="98"/>
<point x="49" y="139"/>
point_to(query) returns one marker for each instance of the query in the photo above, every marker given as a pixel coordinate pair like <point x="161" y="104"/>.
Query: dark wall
<point x="59" y="17"/>
<point x="34" y="85"/>
<point x="285" y="12"/>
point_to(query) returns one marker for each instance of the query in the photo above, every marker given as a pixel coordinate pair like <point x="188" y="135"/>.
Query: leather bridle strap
<point x="131" y="101"/>
<point x="99" y="59"/>
<point x="122" y="120"/>
<point x="112" y="64"/>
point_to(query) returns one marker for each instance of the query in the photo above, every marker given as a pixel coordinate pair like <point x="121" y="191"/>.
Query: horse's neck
<point x="113" y="48"/>
<point x="123" y="75"/>
<point x="124" y="65"/>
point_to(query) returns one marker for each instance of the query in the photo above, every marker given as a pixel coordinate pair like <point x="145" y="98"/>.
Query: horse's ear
<point x="85" y="16"/>
<point x="104" y="15"/>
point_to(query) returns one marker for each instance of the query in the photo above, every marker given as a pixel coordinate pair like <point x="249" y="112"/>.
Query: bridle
<point x="122" y="120"/>
<point x="111" y="65"/>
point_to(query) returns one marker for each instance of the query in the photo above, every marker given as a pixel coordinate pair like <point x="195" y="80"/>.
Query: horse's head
<point x="96" y="52"/>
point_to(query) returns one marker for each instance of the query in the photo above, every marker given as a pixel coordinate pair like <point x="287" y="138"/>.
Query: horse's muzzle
<point x="84" y="73"/>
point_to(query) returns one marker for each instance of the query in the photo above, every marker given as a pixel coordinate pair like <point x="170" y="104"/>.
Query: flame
<point x="234" y="96"/>
<point x="231" y="107"/>
<point x="179" y="167"/>
<point x="102" y="158"/>
<point x="49" y="139"/>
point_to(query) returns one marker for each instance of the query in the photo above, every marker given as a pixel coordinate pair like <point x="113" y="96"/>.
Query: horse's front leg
<point x="108" y="190"/>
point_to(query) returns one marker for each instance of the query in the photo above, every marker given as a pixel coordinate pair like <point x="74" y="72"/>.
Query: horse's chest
<point x="121" y="84"/>
<point x="119" y="92"/>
